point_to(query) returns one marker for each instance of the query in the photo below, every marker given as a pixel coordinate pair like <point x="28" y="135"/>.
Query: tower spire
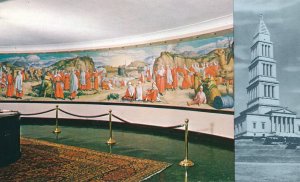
<point x="263" y="89"/>
<point x="261" y="17"/>
<point x="262" y="28"/>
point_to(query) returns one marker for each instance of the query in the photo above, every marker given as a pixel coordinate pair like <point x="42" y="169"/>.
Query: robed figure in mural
<point x="148" y="74"/>
<point x="186" y="83"/>
<point x="82" y="80"/>
<point x="96" y="79"/>
<point x="73" y="85"/>
<point x="19" y="85"/>
<point x="160" y="79"/>
<point x="10" y="85"/>
<point x="88" y="77"/>
<point x="199" y="99"/>
<point x="169" y="77"/>
<point x="67" y="81"/>
<point x="139" y="91"/>
<point x="152" y="94"/>
<point x="192" y="75"/>
<point x="58" y="92"/>
<point x="130" y="93"/>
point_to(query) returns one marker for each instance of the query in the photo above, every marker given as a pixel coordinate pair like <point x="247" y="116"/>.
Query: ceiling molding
<point x="197" y="29"/>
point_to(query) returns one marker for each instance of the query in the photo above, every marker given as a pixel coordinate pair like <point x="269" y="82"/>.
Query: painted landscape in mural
<point x="196" y="73"/>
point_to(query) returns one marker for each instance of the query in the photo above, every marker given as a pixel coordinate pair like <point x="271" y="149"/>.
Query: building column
<point x="293" y="125"/>
<point x="275" y="123"/>
<point x="284" y="124"/>
<point x="271" y="120"/>
<point x="289" y="123"/>
<point x="280" y="123"/>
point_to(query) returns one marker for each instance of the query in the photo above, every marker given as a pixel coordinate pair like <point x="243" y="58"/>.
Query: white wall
<point x="209" y="123"/>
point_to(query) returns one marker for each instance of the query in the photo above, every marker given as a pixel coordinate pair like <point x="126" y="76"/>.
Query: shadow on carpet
<point x="45" y="161"/>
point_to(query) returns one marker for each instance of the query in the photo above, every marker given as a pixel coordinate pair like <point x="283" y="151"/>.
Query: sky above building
<point x="282" y="21"/>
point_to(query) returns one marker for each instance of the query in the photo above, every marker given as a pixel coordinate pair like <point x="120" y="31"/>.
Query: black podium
<point x="9" y="137"/>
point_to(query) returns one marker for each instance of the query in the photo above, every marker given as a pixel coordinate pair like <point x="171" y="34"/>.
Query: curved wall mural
<point x="195" y="73"/>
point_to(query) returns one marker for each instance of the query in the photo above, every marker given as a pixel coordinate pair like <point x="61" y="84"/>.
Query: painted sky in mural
<point x="175" y="72"/>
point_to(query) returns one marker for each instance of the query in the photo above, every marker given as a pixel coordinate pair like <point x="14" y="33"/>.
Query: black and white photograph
<point x="267" y="87"/>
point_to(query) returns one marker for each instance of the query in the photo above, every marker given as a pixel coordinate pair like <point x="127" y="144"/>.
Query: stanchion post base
<point x="186" y="163"/>
<point x="56" y="131"/>
<point x="111" y="141"/>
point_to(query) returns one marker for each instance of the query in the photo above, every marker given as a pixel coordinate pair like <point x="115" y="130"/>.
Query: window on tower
<point x="263" y="125"/>
<point x="266" y="53"/>
<point x="254" y="125"/>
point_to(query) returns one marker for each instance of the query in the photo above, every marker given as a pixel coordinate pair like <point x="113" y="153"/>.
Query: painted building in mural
<point x="264" y="115"/>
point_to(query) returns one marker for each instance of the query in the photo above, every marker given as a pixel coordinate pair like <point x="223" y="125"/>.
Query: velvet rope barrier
<point x="38" y="113"/>
<point x="173" y="127"/>
<point x="95" y="116"/>
<point x="123" y="120"/>
<point x="168" y="127"/>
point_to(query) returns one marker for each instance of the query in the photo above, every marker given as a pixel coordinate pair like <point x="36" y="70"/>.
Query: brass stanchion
<point x="57" y="131"/>
<point x="186" y="175"/>
<point x="110" y="141"/>
<point x="186" y="162"/>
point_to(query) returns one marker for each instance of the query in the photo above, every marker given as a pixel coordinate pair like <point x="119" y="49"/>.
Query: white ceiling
<point x="34" y="23"/>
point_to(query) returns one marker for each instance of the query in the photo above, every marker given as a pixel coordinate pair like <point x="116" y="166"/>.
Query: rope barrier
<point x="121" y="119"/>
<point x="38" y="113"/>
<point x="186" y="162"/>
<point x="96" y="116"/>
<point x="167" y="127"/>
<point x="173" y="127"/>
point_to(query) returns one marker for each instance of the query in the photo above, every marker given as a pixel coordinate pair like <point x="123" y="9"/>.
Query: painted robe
<point x="10" y="85"/>
<point x="88" y="80"/>
<point x="82" y="81"/>
<point x="96" y="80"/>
<point x="58" y="93"/>
<point x="160" y="80"/>
<point x="73" y="85"/>
<point x="130" y="93"/>
<point x="19" y="86"/>
<point x="169" y="77"/>
<point x="67" y="81"/>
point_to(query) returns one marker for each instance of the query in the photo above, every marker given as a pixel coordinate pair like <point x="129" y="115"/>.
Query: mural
<point x="197" y="73"/>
